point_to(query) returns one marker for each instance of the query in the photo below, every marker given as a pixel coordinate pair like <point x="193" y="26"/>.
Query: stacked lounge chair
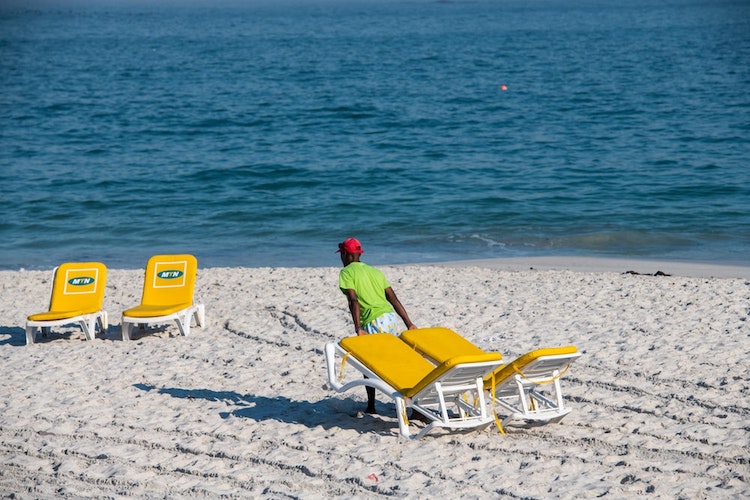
<point x="528" y="387"/>
<point x="450" y="381"/>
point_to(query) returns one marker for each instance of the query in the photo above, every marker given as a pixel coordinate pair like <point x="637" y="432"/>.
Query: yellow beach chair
<point x="449" y="395"/>
<point x="167" y="295"/>
<point x="77" y="297"/>
<point x="520" y="387"/>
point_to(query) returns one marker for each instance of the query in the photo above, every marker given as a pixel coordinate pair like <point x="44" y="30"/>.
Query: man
<point x="372" y="302"/>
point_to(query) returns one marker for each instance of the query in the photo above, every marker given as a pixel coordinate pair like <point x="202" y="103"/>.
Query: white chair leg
<point x="403" y="421"/>
<point x="558" y="392"/>
<point x="88" y="326"/>
<point x="200" y="315"/>
<point x="184" y="325"/>
<point x="30" y="334"/>
<point x="125" y="327"/>
<point x="522" y="397"/>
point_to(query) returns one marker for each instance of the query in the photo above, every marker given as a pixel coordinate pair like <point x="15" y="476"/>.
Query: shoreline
<point x="698" y="269"/>
<point x="691" y="269"/>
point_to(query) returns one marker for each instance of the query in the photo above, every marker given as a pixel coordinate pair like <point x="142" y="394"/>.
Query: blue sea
<point x="262" y="133"/>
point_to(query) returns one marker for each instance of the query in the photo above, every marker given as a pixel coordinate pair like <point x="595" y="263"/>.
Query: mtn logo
<point x="80" y="281"/>
<point x="169" y="275"/>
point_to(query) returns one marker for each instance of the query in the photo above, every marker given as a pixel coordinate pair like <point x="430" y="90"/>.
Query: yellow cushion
<point x="399" y="365"/>
<point x="390" y="358"/>
<point x="56" y="315"/>
<point x="509" y="370"/>
<point x="153" y="311"/>
<point x="440" y="344"/>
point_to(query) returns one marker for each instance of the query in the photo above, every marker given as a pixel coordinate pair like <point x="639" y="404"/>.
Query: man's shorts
<point x="385" y="323"/>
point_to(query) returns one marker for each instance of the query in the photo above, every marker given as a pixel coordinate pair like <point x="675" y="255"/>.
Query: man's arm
<point x="351" y="297"/>
<point x="390" y="295"/>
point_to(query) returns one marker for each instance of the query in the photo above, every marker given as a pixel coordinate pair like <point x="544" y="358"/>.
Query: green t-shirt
<point x="370" y="285"/>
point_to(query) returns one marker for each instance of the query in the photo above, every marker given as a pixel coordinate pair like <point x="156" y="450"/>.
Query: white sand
<point x="241" y="408"/>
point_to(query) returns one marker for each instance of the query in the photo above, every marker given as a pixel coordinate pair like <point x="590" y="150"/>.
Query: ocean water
<point x="263" y="133"/>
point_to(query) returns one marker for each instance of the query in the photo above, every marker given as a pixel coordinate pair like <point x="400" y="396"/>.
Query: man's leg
<point x="370" y="400"/>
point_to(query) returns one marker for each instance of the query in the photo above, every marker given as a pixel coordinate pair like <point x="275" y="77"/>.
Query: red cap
<point x="351" y="245"/>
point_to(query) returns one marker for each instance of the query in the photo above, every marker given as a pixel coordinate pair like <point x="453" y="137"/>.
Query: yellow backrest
<point x="440" y="344"/>
<point x="538" y="363"/>
<point x="78" y="286"/>
<point x="170" y="279"/>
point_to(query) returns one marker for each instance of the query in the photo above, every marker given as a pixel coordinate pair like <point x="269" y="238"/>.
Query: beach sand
<point x="241" y="408"/>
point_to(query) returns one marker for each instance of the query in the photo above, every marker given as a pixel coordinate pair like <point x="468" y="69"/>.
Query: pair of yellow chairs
<point x="449" y="381"/>
<point x="78" y="295"/>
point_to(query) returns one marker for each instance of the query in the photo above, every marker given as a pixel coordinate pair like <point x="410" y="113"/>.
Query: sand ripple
<point x="241" y="408"/>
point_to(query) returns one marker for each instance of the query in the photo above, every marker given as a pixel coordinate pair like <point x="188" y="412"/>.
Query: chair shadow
<point x="16" y="335"/>
<point x="154" y="330"/>
<point x="282" y="409"/>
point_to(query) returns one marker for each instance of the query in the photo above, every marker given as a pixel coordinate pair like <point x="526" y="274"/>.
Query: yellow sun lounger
<point x="449" y="395"/>
<point x="518" y="387"/>
<point x="77" y="297"/>
<point x="167" y="295"/>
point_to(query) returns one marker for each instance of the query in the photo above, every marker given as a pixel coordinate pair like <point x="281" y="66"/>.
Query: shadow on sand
<point x="328" y="414"/>
<point x="16" y="335"/>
